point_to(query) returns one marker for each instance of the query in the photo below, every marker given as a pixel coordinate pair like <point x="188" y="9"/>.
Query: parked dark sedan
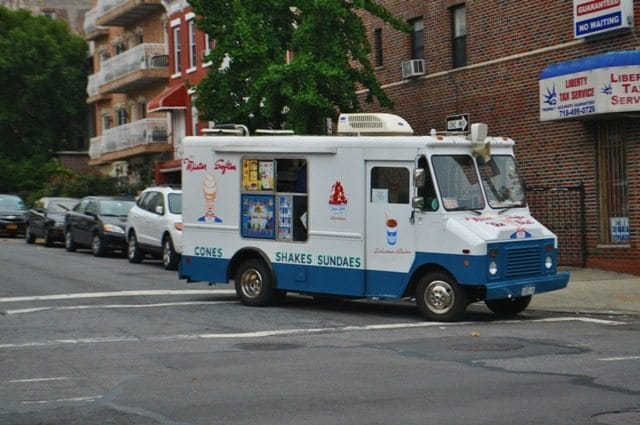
<point x="98" y="222"/>
<point x="12" y="215"/>
<point x="46" y="219"/>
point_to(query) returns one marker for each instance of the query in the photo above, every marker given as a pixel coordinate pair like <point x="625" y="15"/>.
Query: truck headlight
<point x="548" y="262"/>
<point x="493" y="268"/>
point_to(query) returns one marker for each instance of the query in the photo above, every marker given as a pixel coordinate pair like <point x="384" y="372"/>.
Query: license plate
<point x="12" y="226"/>
<point x="528" y="290"/>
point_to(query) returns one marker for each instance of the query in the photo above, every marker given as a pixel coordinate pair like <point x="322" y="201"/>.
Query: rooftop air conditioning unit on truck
<point x="441" y="219"/>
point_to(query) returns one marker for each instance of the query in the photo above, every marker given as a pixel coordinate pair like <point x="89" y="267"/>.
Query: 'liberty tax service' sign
<point x="591" y="17"/>
<point x="602" y="84"/>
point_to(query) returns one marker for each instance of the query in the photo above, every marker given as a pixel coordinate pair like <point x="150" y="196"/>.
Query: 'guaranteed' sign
<point x="591" y="17"/>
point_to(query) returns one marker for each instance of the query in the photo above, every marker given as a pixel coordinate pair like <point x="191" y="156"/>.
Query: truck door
<point x="390" y="236"/>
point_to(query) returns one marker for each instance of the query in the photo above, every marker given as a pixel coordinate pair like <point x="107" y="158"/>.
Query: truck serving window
<point x="501" y="182"/>
<point x="274" y="199"/>
<point x="457" y="179"/>
<point x="390" y="185"/>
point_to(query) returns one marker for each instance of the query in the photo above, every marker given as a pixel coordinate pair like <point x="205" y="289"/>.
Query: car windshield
<point x="12" y="202"/>
<point x="61" y="205"/>
<point x="116" y="208"/>
<point x="458" y="182"/>
<point x="501" y="182"/>
<point x="175" y="203"/>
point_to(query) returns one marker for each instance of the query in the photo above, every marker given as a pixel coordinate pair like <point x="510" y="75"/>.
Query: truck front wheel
<point x="508" y="307"/>
<point x="440" y="298"/>
<point x="254" y="284"/>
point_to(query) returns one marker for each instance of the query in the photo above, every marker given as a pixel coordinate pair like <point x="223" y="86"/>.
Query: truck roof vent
<point x="373" y="125"/>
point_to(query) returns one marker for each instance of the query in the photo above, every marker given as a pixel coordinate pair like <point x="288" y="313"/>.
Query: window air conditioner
<point x="412" y="68"/>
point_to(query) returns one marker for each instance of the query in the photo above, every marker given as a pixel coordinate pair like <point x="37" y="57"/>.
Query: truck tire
<point x="508" y="307"/>
<point x="255" y="284"/>
<point x="440" y="298"/>
<point x="48" y="238"/>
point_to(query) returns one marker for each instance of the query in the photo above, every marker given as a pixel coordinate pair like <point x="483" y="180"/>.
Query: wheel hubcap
<point x="96" y="244"/>
<point x="251" y="283"/>
<point x="439" y="297"/>
<point x="132" y="247"/>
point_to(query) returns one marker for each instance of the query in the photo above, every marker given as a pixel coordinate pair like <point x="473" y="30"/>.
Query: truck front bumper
<point x="527" y="286"/>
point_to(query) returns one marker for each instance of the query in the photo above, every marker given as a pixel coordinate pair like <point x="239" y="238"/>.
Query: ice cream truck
<point x="371" y="212"/>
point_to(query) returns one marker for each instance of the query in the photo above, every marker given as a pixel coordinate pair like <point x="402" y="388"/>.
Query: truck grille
<point x="523" y="261"/>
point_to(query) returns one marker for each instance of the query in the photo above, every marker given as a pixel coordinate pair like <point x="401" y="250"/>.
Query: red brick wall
<point x="509" y="43"/>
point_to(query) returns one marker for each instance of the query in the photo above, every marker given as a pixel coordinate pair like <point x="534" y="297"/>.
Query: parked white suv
<point x="154" y="226"/>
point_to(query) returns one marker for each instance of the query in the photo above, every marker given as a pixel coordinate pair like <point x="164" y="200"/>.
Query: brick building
<point x="501" y="62"/>
<point x="129" y="68"/>
<point x="187" y="48"/>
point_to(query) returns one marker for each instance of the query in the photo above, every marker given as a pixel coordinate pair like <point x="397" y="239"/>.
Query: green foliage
<point x="42" y="85"/>
<point x="250" y="81"/>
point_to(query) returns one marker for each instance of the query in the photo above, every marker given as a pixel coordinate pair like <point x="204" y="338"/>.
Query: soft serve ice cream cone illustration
<point x="210" y="191"/>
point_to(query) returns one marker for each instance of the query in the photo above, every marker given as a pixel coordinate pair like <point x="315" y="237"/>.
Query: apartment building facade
<point x="561" y="78"/>
<point x="129" y="68"/>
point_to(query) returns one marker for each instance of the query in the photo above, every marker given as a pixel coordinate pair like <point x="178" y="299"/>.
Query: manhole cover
<point x="266" y="346"/>
<point x="488" y="347"/>
<point x="618" y="418"/>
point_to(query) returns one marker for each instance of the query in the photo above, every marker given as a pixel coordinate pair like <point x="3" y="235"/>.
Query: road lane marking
<point x="279" y="332"/>
<point x="63" y="400"/>
<point x="619" y="359"/>
<point x="110" y="306"/>
<point x="150" y="292"/>
<point x="21" y="381"/>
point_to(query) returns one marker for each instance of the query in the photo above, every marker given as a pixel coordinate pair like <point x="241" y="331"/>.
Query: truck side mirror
<point x="159" y="210"/>
<point x="418" y="177"/>
<point x="417" y="203"/>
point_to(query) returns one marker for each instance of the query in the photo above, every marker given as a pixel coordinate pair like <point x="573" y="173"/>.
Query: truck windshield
<point x="501" y="182"/>
<point x="457" y="179"/>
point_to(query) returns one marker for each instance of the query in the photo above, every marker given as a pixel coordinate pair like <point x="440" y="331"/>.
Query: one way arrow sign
<point x="458" y="122"/>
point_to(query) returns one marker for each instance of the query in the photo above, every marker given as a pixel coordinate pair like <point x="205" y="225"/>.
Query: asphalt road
<point x="87" y="340"/>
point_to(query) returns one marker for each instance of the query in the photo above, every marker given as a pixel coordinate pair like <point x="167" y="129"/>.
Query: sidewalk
<point x="593" y="291"/>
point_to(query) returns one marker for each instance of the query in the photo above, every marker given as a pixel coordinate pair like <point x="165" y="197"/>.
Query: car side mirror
<point x="159" y="209"/>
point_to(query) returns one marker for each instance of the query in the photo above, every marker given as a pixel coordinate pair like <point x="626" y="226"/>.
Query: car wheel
<point x="510" y="306"/>
<point x="134" y="253"/>
<point x="48" y="239"/>
<point x="69" y="244"/>
<point x="28" y="236"/>
<point x="97" y="248"/>
<point x="170" y="257"/>
<point x="254" y="284"/>
<point x="440" y="298"/>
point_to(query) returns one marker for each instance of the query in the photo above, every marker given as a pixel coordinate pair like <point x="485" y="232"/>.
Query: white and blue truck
<point x="371" y="212"/>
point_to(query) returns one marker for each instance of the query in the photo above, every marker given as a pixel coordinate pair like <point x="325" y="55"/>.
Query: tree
<point x="42" y="85"/>
<point x="252" y="83"/>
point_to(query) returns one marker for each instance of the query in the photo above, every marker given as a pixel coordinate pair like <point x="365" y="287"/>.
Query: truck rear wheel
<point x="510" y="306"/>
<point x="440" y="298"/>
<point x="254" y="284"/>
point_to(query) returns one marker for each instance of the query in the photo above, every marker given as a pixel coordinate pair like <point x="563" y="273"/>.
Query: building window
<point x="121" y="116"/>
<point x="459" y="20"/>
<point x="612" y="183"/>
<point x="177" y="55"/>
<point x="417" y="38"/>
<point x="377" y="42"/>
<point x="208" y="45"/>
<point x="107" y="122"/>
<point x="142" y="109"/>
<point x="192" y="44"/>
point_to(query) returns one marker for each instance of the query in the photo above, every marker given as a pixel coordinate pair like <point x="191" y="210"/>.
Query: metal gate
<point x="562" y="210"/>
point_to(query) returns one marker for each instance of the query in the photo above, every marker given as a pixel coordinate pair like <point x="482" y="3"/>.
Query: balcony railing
<point x="142" y="56"/>
<point x="93" y="85"/>
<point x="95" y="147"/>
<point x="90" y="21"/>
<point x="106" y="5"/>
<point x="137" y="133"/>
